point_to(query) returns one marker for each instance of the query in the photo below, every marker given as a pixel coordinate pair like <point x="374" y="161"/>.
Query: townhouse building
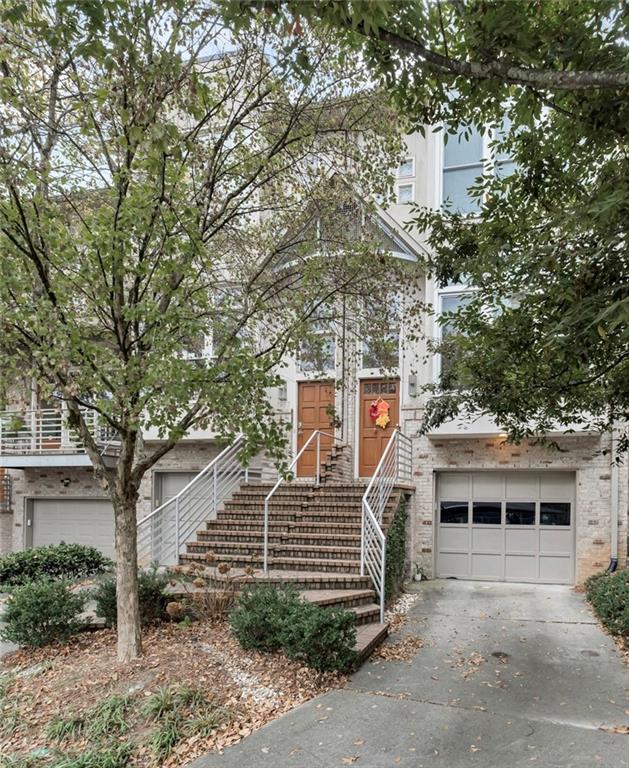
<point x="480" y="508"/>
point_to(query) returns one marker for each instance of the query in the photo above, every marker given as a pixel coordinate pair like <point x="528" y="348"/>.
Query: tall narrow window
<point x="462" y="164"/>
<point x="449" y="303"/>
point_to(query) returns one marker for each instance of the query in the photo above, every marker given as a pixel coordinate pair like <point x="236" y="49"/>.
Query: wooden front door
<point x="315" y="404"/>
<point x="373" y="439"/>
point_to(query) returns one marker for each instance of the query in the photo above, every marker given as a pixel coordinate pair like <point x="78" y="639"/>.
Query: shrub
<point x="258" y="620"/>
<point x="62" y="561"/>
<point x="609" y="596"/>
<point x="42" y="612"/>
<point x="151" y="593"/>
<point x="395" y="561"/>
<point x="267" y="618"/>
<point x="323" y="638"/>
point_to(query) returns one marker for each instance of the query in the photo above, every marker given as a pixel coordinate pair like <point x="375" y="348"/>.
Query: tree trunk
<point x="129" y="635"/>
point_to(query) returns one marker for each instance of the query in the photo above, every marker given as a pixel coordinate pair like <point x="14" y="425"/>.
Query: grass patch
<point x="113" y="757"/>
<point x="167" y="735"/>
<point x="109" y="716"/>
<point x="62" y="728"/>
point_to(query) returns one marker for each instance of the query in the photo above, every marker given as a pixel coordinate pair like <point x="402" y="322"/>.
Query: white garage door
<point x="75" y="521"/>
<point x="513" y="526"/>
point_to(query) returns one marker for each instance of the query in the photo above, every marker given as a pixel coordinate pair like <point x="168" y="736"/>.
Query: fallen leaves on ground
<point x="255" y="688"/>
<point x="615" y="729"/>
<point x="403" y="650"/>
<point x="397" y="615"/>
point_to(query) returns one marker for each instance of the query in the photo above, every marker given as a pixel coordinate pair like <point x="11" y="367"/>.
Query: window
<point x="487" y="512"/>
<point x="466" y="156"/>
<point x="453" y="512"/>
<point x="405" y="193"/>
<point x="520" y="513"/>
<point x="462" y="164"/>
<point x="449" y="302"/>
<point x="406" y="168"/>
<point x="317" y="354"/>
<point x="554" y="513"/>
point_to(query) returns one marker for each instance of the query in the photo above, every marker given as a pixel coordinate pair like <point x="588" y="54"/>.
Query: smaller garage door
<point x="75" y="521"/>
<point x="512" y="526"/>
<point x="169" y="484"/>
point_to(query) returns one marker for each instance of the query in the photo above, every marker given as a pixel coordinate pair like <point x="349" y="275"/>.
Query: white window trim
<point x="410" y="175"/>
<point x="410" y="184"/>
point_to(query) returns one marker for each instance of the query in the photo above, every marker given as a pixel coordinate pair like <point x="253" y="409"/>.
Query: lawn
<point x="194" y="690"/>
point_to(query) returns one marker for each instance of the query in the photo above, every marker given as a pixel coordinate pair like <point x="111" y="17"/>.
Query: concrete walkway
<point x="509" y="676"/>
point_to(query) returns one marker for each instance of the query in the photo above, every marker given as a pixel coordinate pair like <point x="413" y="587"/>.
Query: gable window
<point x="405" y="193"/>
<point x="406" y="168"/>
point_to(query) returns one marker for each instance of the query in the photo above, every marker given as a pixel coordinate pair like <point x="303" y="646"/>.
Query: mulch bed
<point x="66" y="680"/>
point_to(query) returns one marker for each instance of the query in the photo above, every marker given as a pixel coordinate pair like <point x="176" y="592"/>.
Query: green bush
<point x="258" y="620"/>
<point x="323" y="638"/>
<point x="42" y="612"/>
<point x="609" y="595"/>
<point x="267" y="618"/>
<point x="395" y="561"/>
<point x="61" y="561"/>
<point x="151" y="594"/>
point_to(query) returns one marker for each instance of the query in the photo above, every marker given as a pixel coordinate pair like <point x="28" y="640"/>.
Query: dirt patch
<point x="70" y="680"/>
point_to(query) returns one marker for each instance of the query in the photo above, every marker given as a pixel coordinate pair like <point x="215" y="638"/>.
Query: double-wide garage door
<point x="512" y="526"/>
<point x="74" y="521"/>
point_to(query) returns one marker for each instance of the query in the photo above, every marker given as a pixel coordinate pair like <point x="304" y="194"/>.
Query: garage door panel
<point x="520" y="540"/>
<point x="74" y="521"/>
<point x="487" y="539"/>
<point x="520" y="526"/>
<point x="556" y="568"/>
<point x="521" y="567"/>
<point x="555" y="541"/>
<point x="455" y="538"/>
<point x="485" y="566"/>
<point x="455" y="564"/>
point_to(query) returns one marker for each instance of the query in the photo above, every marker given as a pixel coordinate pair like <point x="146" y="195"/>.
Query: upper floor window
<point x="451" y="300"/>
<point x="406" y="168"/>
<point x="466" y="156"/>
<point x="462" y="164"/>
<point x="405" y="193"/>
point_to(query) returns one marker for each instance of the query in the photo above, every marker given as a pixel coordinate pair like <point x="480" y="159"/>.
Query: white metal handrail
<point x="46" y="431"/>
<point x="395" y="466"/>
<point x="162" y="533"/>
<point x="316" y="435"/>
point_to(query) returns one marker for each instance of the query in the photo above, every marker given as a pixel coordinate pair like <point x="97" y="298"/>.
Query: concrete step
<point x="339" y="598"/>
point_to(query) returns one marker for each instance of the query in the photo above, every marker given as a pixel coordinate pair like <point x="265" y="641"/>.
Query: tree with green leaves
<point x="164" y="180"/>
<point x="544" y="342"/>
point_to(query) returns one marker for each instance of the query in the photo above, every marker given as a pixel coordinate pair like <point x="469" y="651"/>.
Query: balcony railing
<point x="46" y="431"/>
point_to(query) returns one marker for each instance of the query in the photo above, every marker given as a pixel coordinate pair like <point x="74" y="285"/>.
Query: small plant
<point x="159" y="704"/>
<point x="166" y="736"/>
<point x="62" y="728"/>
<point x="61" y="561"/>
<point x="108" y="716"/>
<point x="112" y="757"/>
<point x="207" y="723"/>
<point x="323" y="638"/>
<point x="261" y="612"/>
<point x="41" y="613"/>
<point x="395" y="560"/>
<point x="609" y="595"/>
<point x="151" y="593"/>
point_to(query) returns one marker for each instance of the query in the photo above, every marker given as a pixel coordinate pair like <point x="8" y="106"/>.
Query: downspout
<point x="614" y="506"/>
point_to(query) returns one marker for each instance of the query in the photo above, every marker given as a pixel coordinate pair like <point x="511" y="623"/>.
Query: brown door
<point x="373" y="439"/>
<point x="316" y="400"/>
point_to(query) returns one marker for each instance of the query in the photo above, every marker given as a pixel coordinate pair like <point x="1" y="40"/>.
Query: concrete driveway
<point x="509" y="676"/>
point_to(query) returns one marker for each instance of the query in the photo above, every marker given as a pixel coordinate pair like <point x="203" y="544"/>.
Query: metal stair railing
<point x="395" y="466"/>
<point x="316" y="436"/>
<point x="162" y="533"/>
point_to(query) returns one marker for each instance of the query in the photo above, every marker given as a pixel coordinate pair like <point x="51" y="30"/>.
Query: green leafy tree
<point x="544" y="343"/>
<point x="164" y="181"/>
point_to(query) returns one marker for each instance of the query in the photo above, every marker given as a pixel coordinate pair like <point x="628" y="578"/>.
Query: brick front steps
<point x="314" y="545"/>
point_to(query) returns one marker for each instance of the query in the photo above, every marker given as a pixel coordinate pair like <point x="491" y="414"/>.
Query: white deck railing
<point x="163" y="532"/>
<point x="395" y="466"/>
<point x="46" y="431"/>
